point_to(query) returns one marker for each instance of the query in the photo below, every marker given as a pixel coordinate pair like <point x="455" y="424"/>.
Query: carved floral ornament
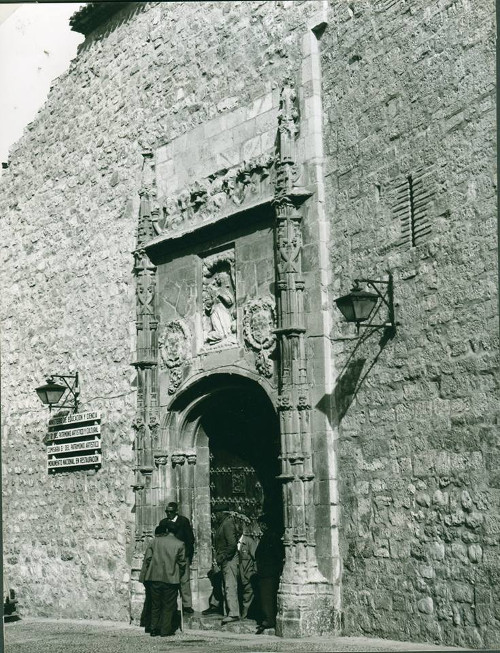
<point x="259" y="321"/>
<point x="160" y="459"/>
<point x="175" y="349"/>
<point x="205" y="198"/>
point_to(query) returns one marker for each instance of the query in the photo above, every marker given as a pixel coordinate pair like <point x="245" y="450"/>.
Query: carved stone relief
<point x="288" y="116"/>
<point x="259" y="322"/>
<point x="289" y="242"/>
<point x="219" y="300"/>
<point x="146" y="283"/>
<point x="175" y="350"/>
<point x="154" y="428"/>
<point x="206" y="199"/>
<point x="287" y="168"/>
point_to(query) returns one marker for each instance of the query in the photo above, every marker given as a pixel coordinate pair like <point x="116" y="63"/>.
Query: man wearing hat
<point x="226" y="556"/>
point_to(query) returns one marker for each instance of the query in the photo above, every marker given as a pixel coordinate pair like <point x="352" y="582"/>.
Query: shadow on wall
<point x="350" y="379"/>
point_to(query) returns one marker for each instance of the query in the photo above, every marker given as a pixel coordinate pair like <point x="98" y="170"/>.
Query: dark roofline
<point x="93" y="14"/>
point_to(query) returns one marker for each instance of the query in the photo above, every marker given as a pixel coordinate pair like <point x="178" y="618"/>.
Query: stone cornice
<point x="93" y="14"/>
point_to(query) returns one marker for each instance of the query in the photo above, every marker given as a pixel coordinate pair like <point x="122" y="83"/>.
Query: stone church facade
<point x="197" y="190"/>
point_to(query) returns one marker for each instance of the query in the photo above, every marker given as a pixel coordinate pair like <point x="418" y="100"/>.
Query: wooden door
<point x="234" y="481"/>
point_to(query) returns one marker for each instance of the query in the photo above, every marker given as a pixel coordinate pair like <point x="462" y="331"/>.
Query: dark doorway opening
<point x="243" y="438"/>
<point x="229" y="422"/>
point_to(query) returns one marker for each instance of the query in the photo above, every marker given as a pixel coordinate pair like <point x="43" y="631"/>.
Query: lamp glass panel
<point x="50" y="393"/>
<point x="346" y="307"/>
<point x="363" y="305"/>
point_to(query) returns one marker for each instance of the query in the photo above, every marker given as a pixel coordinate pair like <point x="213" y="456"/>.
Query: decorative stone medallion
<point x="259" y="320"/>
<point x="175" y="350"/>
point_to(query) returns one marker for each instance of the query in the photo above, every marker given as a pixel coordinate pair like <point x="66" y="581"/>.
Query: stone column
<point x="160" y="498"/>
<point x="178" y="460"/>
<point x="304" y="604"/>
<point x="146" y="364"/>
<point x="188" y="498"/>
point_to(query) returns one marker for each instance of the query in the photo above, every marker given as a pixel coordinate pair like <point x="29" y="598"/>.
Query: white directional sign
<point x="55" y="463"/>
<point x="86" y="445"/>
<point x="84" y="431"/>
<point x="75" y="417"/>
<point x="95" y="429"/>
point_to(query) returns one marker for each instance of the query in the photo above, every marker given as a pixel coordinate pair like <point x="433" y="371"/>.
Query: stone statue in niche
<point x="219" y="300"/>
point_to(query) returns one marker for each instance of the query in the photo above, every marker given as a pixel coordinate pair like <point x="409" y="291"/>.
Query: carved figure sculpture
<point x="219" y="299"/>
<point x="218" y="305"/>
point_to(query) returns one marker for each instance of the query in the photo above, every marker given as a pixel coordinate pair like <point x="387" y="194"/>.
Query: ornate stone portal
<point x="305" y="600"/>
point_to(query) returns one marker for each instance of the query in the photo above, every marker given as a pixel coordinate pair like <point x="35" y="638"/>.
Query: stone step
<point x="198" y="621"/>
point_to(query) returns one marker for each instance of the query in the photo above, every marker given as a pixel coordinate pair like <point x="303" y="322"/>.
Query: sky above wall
<point x="36" y="46"/>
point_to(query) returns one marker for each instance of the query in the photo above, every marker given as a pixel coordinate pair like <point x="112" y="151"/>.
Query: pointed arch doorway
<point x="226" y="426"/>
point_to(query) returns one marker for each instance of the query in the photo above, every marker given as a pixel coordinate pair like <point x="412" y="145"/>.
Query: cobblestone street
<point x="71" y="636"/>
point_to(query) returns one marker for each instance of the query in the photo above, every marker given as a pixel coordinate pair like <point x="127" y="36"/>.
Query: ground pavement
<point x="30" y="635"/>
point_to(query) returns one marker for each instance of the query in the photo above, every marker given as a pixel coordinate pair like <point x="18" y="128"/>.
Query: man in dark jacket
<point x="226" y="557"/>
<point x="183" y="532"/>
<point x="269" y="557"/>
<point x="165" y="563"/>
<point x="146" y="608"/>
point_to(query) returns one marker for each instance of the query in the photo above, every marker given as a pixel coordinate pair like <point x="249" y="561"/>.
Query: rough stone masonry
<point x="397" y="100"/>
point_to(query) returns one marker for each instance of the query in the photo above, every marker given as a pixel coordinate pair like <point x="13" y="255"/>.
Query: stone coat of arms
<point x="259" y="320"/>
<point x="175" y="350"/>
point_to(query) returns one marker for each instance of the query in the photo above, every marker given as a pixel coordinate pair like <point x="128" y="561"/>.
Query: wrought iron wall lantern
<point x="52" y="393"/>
<point x="359" y="305"/>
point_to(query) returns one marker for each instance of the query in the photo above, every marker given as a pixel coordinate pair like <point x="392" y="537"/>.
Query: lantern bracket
<point x="71" y="398"/>
<point x="387" y="297"/>
<point x="385" y="292"/>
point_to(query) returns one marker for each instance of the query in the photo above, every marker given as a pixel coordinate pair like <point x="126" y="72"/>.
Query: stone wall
<point x="408" y="120"/>
<point x="69" y="209"/>
<point x="409" y="92"/>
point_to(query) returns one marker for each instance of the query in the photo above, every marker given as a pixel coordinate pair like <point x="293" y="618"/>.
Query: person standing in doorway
<point x="226" y="557"/>
<point x="165" y="563"/>
<point x="269" y="556"/>
<point x="247" y="546"/>
<point x="183" y="532"/>
<point x="216" y="599"/>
